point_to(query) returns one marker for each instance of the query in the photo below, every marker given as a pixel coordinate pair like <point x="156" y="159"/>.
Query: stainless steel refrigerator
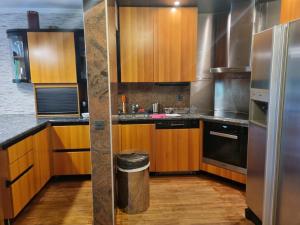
<point x="273" y="182"/>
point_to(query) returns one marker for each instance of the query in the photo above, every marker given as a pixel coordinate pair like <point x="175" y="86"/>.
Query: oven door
<point x="225" y="146"/>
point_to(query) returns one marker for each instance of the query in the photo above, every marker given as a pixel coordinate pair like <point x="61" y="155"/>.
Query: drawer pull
<point x="230" y="136"/>
<point x="11" y="182"/>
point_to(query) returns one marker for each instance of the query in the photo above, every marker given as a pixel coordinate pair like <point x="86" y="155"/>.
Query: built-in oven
<point x="226" y="146"/>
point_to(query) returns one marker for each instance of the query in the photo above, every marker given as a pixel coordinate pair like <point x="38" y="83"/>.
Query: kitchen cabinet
<point x="71" y="163"/>
<point x="71" y="150"/>
<point x="17" y="176"/>
<point x="19" y="149"/>
<point x="22" y="191"/>
<point x="42" y="159"/>
<point x="290" y="10"/>
<point x="158" y="44"/>
<point x="26" y="166"/>
<point x="177" y="150"/>
<point x="137" y="44"/>
<point x="138" y="138"/>
<point x="175" y="44"/>
<point x="19" y="53"/>
<point x="52" y="57"/>
<point x="70" y="137"/>
<point x="112" y="43"/>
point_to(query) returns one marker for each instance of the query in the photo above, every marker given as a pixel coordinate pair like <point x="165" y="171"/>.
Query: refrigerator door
<point x="288" y="204"/>
<point x="257" y="137"/>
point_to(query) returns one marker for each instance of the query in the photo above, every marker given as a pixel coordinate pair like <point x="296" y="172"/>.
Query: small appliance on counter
<point x="155" y="107"/>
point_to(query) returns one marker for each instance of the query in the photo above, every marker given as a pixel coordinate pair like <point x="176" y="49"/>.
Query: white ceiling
<point x="64" y="4"/>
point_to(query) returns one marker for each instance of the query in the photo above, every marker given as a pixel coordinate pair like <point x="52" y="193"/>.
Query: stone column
<point x="99" y="107"/>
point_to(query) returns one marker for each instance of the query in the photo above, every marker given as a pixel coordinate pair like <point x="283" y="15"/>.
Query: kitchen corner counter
<point x="13" y="128"/>
<point x="191" y="116"/>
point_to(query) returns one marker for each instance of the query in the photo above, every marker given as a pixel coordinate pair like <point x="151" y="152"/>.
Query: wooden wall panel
<point x="136" y="44"/>
<point x="52" y="57"/>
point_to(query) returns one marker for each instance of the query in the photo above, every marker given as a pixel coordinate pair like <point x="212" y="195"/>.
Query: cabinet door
<point x="138" y="138"/>
<point x="175" y="44"/>
<point x="166" y="150"/>
<point x="42" y="160"/>
<point x="72" y="163"/>
<point x="19" y="149"/>
<point x="70" y="137"/>
<point x="136" y="44"/>
<point x="290" y="10"/>
<point x="177" y="150"/>
<point x="52" y="57"/>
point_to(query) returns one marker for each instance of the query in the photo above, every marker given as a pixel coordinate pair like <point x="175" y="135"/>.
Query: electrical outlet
<point x="179" y="97"/>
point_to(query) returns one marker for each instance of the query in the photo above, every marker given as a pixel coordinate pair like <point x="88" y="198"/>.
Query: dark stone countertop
<point x="14" y="128"/>
<point x="234" y="119"/>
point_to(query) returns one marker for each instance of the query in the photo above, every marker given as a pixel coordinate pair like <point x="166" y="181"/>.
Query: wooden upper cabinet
<point x="175" y="44"/>
<point x="136" y="44"/>
<point x="158" y="44"/>
<point x="290" y="10"/>
<point x="52" y="57"/>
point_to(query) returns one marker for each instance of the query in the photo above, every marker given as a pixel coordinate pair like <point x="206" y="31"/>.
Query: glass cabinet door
<point x="18" y="46"/>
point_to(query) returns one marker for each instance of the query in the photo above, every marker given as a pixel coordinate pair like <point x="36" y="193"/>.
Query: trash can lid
<point x="132" y="160"/>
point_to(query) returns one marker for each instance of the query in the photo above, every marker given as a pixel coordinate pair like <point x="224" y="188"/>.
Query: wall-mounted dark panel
<point x="57" y="100"/>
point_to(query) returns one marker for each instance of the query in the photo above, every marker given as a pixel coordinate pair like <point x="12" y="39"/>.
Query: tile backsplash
<point x="145" y="94"/>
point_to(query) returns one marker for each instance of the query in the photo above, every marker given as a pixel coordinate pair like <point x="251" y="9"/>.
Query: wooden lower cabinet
<point x="71" y="163"/>
<point x="138" y="138"/>
<point x="229" y="174"/>
<point x="177" y="150"/>
<point x="42" y="158"/>
<point x="70" y="137"/>
<point x="22" y="191"/>
<point x="26" y="166"/>
<point x="71" y="150"/>
<point x="19" y="149"/>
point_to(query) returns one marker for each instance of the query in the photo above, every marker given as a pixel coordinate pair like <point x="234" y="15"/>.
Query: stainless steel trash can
<point x="133" y="182"/>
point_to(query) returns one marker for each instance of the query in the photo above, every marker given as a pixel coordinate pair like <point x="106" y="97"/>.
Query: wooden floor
<point x="183" y="200"/>
<point x="60" y="203"/>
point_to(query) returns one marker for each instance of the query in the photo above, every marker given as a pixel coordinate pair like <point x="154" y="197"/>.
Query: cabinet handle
<point x="230" y="136"/>
<point x="9" y="183"/>
<point x="177" y="124"/>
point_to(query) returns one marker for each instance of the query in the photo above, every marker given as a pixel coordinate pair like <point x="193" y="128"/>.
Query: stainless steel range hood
<point x="233" y="39"/>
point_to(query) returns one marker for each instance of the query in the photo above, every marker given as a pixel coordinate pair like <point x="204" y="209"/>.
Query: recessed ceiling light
<point x="177" y="3"/>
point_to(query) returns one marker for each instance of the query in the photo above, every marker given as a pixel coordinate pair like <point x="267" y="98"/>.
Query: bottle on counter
<point x="123" y="98"/>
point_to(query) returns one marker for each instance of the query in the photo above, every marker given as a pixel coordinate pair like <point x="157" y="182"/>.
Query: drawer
<point x="20" y="165"/>
<point x="70" y="137"/>
<point x="72" y="163"/>
<point x="19" y="149"/>
<point x="22" y="191"/>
